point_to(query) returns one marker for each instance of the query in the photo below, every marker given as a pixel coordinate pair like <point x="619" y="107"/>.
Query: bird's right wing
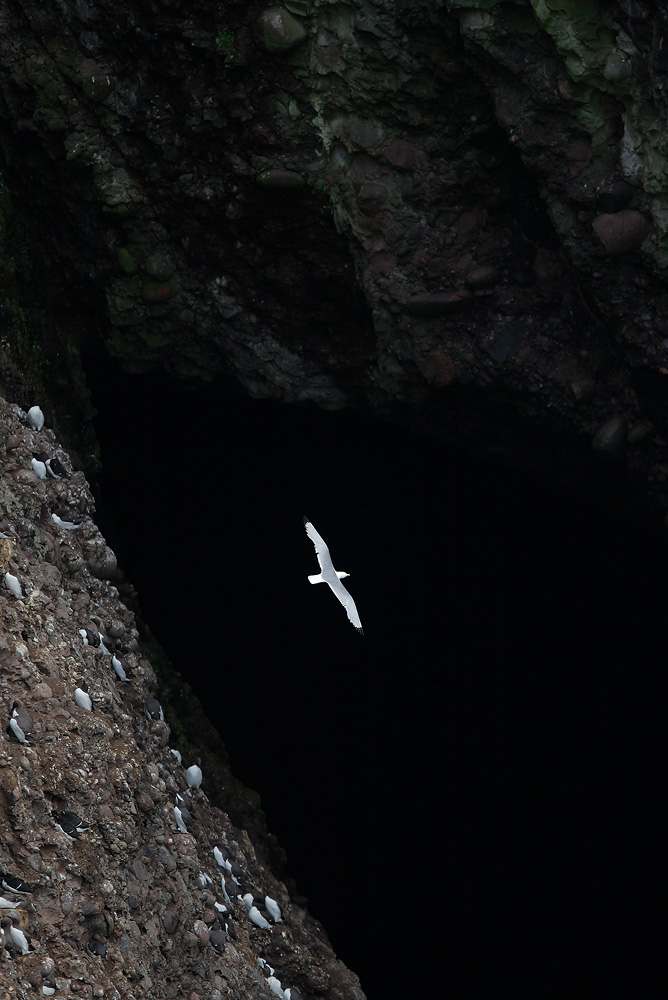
<point x="321" y="549"/>
<point x="348" y="603"/>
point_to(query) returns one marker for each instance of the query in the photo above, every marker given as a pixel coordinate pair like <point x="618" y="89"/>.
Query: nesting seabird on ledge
<point x="14" y="884"/>
<point x="11" y="904"/>
<point x="194" y="776"/>
<point x="13" y="584"/>
<point x="124" y="671"/>
<point x="154" y="709"/>
<point x="69" y="823"/>
<point x="331" y="576"/>
<point x="66" y="520"/>
<point x="36" y="418"/>
<point x="55" y="468"/>
<point x="38" y="467"/>
<point x="273" y="909"/>
<point x="21" y="724"/>
<point x="82" y="698"/>
<point x="14" y="936"/>
<point x="254" y="914"/>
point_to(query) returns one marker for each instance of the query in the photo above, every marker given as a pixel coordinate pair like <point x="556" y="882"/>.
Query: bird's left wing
<point x="348" y="603"/>
<point x="321" y="549"/>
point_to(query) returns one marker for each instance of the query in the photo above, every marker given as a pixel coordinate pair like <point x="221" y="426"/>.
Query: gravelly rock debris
<point x="126" y="902"/>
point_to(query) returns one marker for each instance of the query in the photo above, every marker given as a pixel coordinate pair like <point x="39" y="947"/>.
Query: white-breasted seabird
<point x="14" y="936"/>
<point x="203" y="880"/>
<point x="38" y="467"/>
<point x="217" y="938"/>
<point x="273" y="909"/>
<point x="154" y="709"/>
<point x="20" y="724"/>
<point x="292" y="993"/>
<point x="13" y="584"/>
<point x="274" y="985"/>
<point x="222" y="856"/>
<point x="69" y="823"/>
<point x="15" y="884"/>
<point x="123" y="670"/>
<point x="254" y="914"/>
<point x="90" y="637"/>
<point x="15" y="903"/>
<point x="36" y="418"/>
<point x="177" y="753"/>
<point x="331" y="576"/>
<point x="55" y="468"/>
<point x="82" y="698"/>
<point x="181" y="815"/>
<point x="194" y="776"/>
<point x="66" y="520"/>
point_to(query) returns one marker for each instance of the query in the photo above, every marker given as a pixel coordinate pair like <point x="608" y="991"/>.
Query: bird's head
<point x="342" y="575"/>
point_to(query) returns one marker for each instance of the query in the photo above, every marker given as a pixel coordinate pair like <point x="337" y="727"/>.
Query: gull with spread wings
<point x="331" y="576"/>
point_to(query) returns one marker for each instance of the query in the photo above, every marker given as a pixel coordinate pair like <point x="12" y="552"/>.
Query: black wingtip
<point x="307" y="520"/>
<point x="360" y="630"/>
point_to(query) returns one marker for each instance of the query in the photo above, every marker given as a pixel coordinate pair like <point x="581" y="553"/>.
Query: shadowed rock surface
<point x="123" y="908"/>
<point x="450" y="215"/>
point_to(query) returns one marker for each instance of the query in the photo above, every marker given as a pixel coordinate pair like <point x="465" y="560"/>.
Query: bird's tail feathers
<point x="317" y="578"/>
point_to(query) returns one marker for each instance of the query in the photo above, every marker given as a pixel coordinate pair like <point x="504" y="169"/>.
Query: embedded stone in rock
<point x="288" y="180"/>
<point x="159" y="266"/>
<point x="610" y="438"/>
<point x="484" y="276"/>
<point x="618" y="66"/>
<point x="622" y="231"/>
<point x="405" y="156"/>
<point x="438" y="303"/>
<point x="101" y="561"/>
<point x="279" y="30"/>
<point x="372" y="196"/>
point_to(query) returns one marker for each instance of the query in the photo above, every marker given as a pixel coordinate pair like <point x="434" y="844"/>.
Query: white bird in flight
<point x="331" y="576"/>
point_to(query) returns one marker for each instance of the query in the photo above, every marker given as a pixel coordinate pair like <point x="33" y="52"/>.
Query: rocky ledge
<point x="120" y="878"/>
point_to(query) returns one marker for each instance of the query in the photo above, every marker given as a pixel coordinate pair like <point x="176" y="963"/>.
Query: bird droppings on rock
<point x="99" y="883"/>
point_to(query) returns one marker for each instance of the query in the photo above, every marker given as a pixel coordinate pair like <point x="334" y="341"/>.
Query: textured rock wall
<point x="134" y="888"/>
<point x="193" y="168"/>
<point x="452" y="206"/>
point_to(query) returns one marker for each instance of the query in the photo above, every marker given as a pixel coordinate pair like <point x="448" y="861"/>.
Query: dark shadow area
<point x="465" y="792"/>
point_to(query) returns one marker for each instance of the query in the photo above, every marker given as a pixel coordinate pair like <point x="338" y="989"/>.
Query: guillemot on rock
<point x="55" y="468"/>
<point x="13" y="584"/>
<point x="154" y="709"/>
<point x="36" y="418"/>
<point x="20" y="724"/>
<point x="254" y="914"/>
<point x="11" y="904"/>
<point x="38" y="467"/>
<point x="15" y="884"/>
<point x="66" y="520"/>
<point x="69" y="823"/>
<point x="82" y="698"/>
<point x="124" y="671"/>
<point x="194" y="776"/>
<point x="14" y="936"/>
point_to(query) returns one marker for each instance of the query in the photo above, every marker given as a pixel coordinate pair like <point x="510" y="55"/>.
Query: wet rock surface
<point x="128" y="901"/>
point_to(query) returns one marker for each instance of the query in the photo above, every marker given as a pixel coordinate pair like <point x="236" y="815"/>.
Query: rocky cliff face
<point x="445" y="212"/>
<point x="127" y="896"/>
